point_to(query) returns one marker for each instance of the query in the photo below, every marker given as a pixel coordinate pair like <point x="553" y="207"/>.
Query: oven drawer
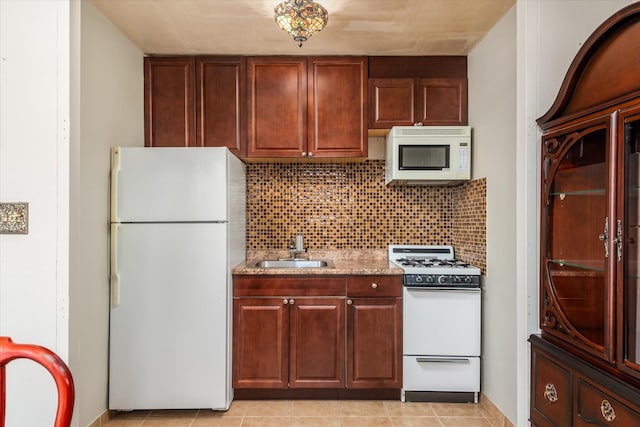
<point x="448" y="374"/>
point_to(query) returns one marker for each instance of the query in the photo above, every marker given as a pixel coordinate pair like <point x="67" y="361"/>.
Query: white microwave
<point x="428" y="155"/>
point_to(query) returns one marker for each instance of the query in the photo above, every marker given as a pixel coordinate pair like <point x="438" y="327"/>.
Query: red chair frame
<point x="51" y="362"/>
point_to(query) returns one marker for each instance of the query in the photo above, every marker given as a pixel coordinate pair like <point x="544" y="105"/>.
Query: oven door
<point x="441" y="322"/>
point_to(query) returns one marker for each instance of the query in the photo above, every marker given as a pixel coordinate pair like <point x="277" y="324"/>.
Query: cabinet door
<point x="317" y="346"/>
<point x="629" y="268"/>
<point x="374" y="343"/>
<point x="551" y="391"/>
<point x="392" y="102"/>
<point x="277" y="107"/>
<point x="578" y="229"/>
<point x="260" y="343"/>
<point x="221" y="103"/>
<point x="169" y="119"/>
<point x="337" y="107"/>
<point x="442" y="101"/>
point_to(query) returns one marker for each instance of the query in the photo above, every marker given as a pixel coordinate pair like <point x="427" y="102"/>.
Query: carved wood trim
<point x="593" y="80"/>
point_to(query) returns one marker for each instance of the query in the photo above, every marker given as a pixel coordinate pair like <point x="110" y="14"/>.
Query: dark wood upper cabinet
<point x="420" y="101"/>
<point x="169" y="101"/>
<point x="297" y="107"/>
<point x="407" y="91"/>
<point x="590" y="277"/>
<point x="277" y="106"/>
<point x="221" y="103"/>
<point x="195" y="102"/>
<point x="306" y="107"/>
<point x="337" y="111"/>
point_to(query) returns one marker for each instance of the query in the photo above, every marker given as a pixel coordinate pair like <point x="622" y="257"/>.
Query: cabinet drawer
<point x="597" y="408"/>
<point x="272" y="285"/>
<point x="374" y="286"/>
<point x="551" y="390"/>
<point x="441" y="373"/>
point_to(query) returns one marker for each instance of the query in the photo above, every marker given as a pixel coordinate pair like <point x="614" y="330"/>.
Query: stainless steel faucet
<point x="297" y="246"/>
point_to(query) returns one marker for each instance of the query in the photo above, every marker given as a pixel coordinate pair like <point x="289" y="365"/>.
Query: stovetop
<point x="433" y="266"/>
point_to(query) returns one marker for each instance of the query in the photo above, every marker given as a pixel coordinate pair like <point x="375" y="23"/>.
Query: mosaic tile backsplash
<point x="348" y="206"/>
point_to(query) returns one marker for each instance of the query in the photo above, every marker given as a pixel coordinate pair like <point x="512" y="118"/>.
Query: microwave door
<point x="424" y="157"/>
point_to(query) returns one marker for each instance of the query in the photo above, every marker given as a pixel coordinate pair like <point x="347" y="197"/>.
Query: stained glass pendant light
<point x="301" y="18"/>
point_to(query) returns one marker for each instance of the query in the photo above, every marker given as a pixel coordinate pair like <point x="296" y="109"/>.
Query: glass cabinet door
<point x="575" y="301"/>
<point x="630" y="240"/>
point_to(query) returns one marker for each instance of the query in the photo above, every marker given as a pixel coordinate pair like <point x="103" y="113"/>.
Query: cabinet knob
<point x="304" y="154"/>
<point x="374" y="285"/>
<point x="292" y="301"/>
<point x="550" y="393"/>
<point x="310" y="154"/>
<point x="608" y="413"/>
<point x="349" y="301"/>
<point x="285" y="301"/>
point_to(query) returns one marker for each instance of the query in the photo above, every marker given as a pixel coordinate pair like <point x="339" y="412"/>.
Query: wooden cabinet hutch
<point x="586" y="361"/>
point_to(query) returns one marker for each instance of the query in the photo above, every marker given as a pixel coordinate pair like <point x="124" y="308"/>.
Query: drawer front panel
<point x="597" y="408"/>
<point x="374" y="286"/>
<point x="441" y="374"/>
<point x="551" y="390"/>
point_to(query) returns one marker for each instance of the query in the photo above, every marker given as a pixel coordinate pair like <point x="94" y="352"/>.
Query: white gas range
<point x="441" y="324"/>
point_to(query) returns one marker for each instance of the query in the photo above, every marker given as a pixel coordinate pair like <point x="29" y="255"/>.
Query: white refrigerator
<point x="177" y="229"/>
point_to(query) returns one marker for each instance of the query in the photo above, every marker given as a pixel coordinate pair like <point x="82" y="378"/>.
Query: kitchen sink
<point x="293" y="263"/>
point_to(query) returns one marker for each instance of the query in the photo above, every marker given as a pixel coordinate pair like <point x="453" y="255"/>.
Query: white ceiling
<point x="356" y="27"/>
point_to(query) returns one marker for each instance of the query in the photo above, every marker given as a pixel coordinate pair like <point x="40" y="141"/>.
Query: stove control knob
<point x="442" y="279"/>
<point x="457" y="279"/>
<point x="429" y="278"/>
<point x="467" y="279"/>
<point x="418" y="279"/>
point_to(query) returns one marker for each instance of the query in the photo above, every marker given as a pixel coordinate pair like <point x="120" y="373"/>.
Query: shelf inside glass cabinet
<point x="576" y="267"/>
<point x="592" y="192"/>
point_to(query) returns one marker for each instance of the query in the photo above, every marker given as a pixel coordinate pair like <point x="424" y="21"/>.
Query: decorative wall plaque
<point x="14" y="218"/>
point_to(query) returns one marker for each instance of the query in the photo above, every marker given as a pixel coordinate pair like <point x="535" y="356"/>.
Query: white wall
<point x="111" y="110"/>
<point x="34" y="168"/>
<point x="492" y="115"/>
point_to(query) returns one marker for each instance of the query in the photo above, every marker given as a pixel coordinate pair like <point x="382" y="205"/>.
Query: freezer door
<point x="170" y="317"/>
<point x="169" y="184"/>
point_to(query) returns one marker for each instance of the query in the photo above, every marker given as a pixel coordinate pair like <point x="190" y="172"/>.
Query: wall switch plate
<point x="14" y="218"/>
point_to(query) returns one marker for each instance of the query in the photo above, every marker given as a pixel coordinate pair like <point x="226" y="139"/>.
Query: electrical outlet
<point x="14" y="218"/>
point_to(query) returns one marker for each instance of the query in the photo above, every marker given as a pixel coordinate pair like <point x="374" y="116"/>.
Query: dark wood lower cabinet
<point x="303" y="337"/>
<point x="567" y="391"/>
<point x="374" y="343"/>
<point x="317" y="350"/>
<point x="260" y="343"/>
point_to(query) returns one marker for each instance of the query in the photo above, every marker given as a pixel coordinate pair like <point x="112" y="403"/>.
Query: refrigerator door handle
<point x="115" y="172"/>
<point x="115" y="279"/>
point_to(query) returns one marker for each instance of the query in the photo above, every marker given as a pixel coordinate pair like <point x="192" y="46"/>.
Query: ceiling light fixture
<point x="301" y="18"/>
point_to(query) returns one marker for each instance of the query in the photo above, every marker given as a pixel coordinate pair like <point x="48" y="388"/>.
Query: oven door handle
<point x="443" y="359"/>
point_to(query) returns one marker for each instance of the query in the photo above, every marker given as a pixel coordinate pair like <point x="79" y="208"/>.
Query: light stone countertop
<point x="345" y="262"/>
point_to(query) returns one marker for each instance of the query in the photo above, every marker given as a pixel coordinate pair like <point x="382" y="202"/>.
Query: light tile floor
<point x="315" y="413"/>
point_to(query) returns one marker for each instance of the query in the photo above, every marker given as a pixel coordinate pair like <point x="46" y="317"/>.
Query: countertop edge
<point x="341" y="267"/>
